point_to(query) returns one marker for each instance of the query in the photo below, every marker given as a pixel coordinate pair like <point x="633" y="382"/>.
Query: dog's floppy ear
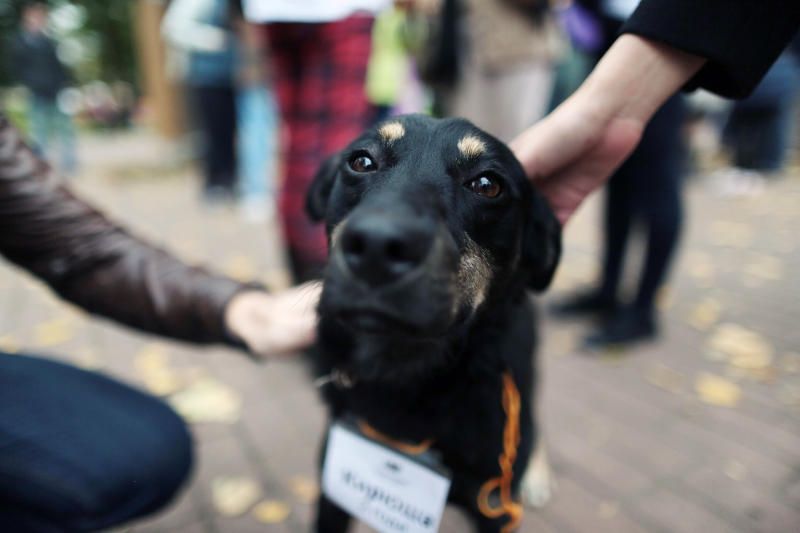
<point x="320" y="189"/>
<point x="541" y="244"/>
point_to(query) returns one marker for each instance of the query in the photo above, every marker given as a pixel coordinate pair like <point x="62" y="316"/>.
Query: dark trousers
<point x="215" y="112"/>
<point x="81" y="452"/>
<point x="647" y="189"/>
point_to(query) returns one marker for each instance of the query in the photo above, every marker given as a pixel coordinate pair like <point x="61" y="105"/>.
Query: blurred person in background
<point x="759" y="128"/>
<point x="318" y="55"/>
<point x="257" y="117"/>
<point x="35" y="63"/>
<point x="80" y="451"/>
<point x="389" y="64"/>
<point x="647" y="190"/>
<point x="202" y="35"/>
<point x="507" y="52"/>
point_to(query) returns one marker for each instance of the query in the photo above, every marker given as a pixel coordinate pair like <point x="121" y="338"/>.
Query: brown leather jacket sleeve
<point x="96" y="264"/>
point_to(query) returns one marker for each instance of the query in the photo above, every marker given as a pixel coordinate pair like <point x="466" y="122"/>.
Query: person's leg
<point x="659" y="196"/>
<point x="656" y="195"/>
<point x="617" y="219"/>
<point x="257" y="134"/>
<point x="331" y="110"/>
<point x="38" y="124"/>
<point x="290" y="58"/>
<point x="602" y="300"/>
<point x="221" y="117"/>
<point x="81" y="452"/>
<point x="66" y="138"/>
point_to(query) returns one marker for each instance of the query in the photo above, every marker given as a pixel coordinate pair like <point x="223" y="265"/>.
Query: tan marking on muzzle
<point x="391" y="131"/>
<point x="474" y="274"/>
<point x="471" y="146"/>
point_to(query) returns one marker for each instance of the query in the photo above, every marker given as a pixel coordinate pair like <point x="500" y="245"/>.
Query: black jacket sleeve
<point x="740" y="38"/>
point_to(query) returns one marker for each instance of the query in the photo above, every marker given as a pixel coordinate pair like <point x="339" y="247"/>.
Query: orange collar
<point x="511" y="438"/>
<point x="410" y="449"/>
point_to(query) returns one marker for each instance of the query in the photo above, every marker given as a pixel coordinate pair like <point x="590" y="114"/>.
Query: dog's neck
<point x="407" y="363"/>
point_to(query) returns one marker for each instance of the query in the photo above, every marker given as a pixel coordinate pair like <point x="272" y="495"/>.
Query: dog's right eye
<point x="362" y="162"/>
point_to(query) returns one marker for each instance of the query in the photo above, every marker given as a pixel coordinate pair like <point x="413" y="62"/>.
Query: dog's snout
<point x="380" y="248"/>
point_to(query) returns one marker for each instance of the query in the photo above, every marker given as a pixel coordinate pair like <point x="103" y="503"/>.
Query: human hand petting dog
<point x="272" y="324"/>
<point x="575" y="149"/>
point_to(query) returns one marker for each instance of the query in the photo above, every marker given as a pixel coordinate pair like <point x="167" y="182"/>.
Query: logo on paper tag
<point x="388" y="490"/>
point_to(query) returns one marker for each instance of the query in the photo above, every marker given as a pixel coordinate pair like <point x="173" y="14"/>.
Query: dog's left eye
<point x="362" y="162"/>
<point x="485" y="186"/>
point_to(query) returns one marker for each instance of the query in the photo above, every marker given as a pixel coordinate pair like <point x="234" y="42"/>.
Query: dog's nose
<point x="380" y="248"/>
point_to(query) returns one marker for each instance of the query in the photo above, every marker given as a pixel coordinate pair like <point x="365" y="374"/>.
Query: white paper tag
<point x="388" y="490"/>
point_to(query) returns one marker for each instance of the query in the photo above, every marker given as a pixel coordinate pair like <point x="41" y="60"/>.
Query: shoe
<point x="583" y="304"/>
<point x="626" y="327"/>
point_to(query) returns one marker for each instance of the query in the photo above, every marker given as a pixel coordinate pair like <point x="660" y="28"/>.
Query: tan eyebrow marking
<point x="471" y="146"/>
<point x="391" y="131"/>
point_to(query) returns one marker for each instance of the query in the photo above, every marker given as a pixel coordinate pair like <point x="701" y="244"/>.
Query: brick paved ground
<point x="634" y="446"/>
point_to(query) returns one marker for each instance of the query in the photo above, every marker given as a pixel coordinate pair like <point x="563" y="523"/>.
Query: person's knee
<point x="153" y="464"/>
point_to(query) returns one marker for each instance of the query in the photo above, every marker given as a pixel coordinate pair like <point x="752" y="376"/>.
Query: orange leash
<point x="511" y="438"/>
<point x="410" y="449"/>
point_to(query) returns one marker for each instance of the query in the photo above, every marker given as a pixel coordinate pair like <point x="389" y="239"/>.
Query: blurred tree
<point x="95" y="36"/>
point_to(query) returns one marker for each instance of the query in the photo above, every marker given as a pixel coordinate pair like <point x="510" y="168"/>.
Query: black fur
<point x="426" y="362"/>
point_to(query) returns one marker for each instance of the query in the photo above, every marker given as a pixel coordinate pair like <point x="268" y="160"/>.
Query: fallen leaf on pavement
<point x="9" y="344"/>
<point x="705" y="314"/>
<point x="665" y="378"/>
<point x="735" y="470"/>
<point x="716" y="390"/>
<point x="742" y="344"/>
<point x="234" y="496"/>
<point x="53" y="332"/>
<point x="306" y="490"/>
<point x="271" y="512"/>
<point x="207" y="400"/>
<point x="152" y="364"/>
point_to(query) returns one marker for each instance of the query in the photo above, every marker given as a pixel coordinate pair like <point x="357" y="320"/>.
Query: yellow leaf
<point x="271" y="512"/>
<point x="716" y="390"/>
<point x="705" y="314"/>
<point x="736" y="341"/>
<point x="207" y="400"/>
<point x="305" y="489"/>
<point x="53" y="332"/>
<point x="234" y="496"/>
<point x="9" y="344"/>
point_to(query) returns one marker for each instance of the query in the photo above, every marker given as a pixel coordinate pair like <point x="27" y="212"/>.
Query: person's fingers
<point x="568" y="187"/>
<point x="555" y="141"/>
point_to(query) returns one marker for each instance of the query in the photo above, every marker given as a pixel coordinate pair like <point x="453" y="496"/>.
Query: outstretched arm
<point x="101" y="267"/>
<point x="574" y="150"/>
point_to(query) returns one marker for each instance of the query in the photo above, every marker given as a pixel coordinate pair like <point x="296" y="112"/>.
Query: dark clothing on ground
<point x="81" y="452"/>
<point x="36" y="65"/>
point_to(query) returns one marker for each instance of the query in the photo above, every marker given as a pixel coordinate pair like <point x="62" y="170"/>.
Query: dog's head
<point x="430" y="223"/>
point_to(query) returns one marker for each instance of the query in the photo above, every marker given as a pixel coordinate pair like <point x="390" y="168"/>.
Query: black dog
<point x="435" y="235"/>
